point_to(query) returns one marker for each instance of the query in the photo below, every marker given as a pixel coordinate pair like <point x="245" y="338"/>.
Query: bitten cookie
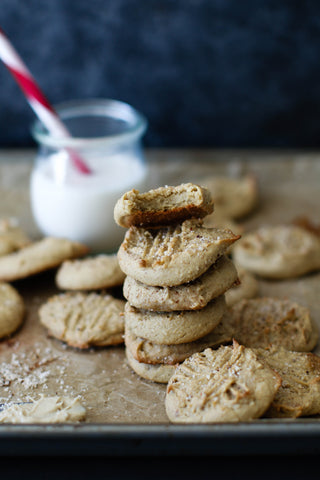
<point x="162" y="206"/>
<point x="299" y="394"/>
<point x="42" y="255"/>
<point x="225" y="385"/>
<point x="173" y="255"/>
<point x="12" y="310"/>
<point x="83" y="320"/>
<point x="175" y="327"/>
<point x="190" y="296"/>
<point x="265" y="322"/>
<point x="278" y="252"/>
<point x="93" y="273"/>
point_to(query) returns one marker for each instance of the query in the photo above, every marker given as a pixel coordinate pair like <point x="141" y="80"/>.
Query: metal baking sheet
<point x="126" y="414"/>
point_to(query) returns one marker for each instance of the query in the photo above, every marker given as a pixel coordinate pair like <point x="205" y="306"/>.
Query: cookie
<point x="92" y="273"/>
<point x="42" y="255"/>
<point x="12" y="309"/>
<point x="155" y="373"/>
<point x="278" y="251"/>
<point x="162" y="206"/>
<point x="215" y="220"/>
<point x="247" y="287"/>
<point x="265" y="322"/>
<point x="172" y="255"/>
<point x="225" y="385"/>
<point x="174" y="327"/>
<point x="299" y="394"/>
<point x="12" y="237"/>
<point x="45" y="410"/>
<point x="147" y="352"/>
<point x="84" y="319"/>
<point x="190" y="296"/>
<point x="233" y="198"/>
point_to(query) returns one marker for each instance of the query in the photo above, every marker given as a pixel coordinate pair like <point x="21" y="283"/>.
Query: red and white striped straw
<point x="36" y="99"/>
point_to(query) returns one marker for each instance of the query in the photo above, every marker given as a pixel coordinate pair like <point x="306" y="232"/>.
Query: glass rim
<point x="97" y="106"/>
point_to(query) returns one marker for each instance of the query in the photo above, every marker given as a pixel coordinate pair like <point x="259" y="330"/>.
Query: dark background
<point x="206" y="73"/>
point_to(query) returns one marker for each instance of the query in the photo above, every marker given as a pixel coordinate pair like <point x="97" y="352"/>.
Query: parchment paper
<point x="32" y="364"/>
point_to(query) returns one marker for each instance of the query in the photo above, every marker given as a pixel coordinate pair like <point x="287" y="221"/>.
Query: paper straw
<point x="36" y="99"/>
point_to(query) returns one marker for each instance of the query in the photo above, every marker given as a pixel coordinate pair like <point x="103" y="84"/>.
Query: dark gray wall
<point x="206" y="73"/>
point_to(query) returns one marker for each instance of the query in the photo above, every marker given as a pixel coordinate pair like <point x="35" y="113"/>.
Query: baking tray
<point x="126" y="414"/>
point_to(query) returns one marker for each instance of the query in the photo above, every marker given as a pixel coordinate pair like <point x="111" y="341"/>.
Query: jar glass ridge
<point x="107" y="135"/>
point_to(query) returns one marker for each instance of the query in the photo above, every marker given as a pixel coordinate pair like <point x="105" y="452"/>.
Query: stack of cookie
<point x="177" y="273"/>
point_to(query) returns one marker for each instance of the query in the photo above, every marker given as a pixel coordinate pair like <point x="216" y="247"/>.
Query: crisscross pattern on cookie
<point x="173" y="255"/>
<point x="228" y="384"/>
<point x="299" y="394"/>
<point x="262" y="322"/>
<point x="82" y="320"/>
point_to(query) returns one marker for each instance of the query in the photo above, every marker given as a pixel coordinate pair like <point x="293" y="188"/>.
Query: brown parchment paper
<point x="31" y="363"/>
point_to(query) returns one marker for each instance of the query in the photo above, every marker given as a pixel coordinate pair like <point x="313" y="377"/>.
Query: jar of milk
<point x="106" y="135"/>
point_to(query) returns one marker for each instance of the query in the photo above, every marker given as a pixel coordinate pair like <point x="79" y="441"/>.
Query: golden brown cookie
<point x="42" y="255"/>
<point x="265" y="322"/>
<point x="12" y="309"/>
<point x="233" y="198"/>
<point x="299" y="394"/>
<point x="84" y="319"/>
<point x="148" y="352"/>
<point x="92" y="273"/>
<point x="174" y="327"/>
<point x="173" y="255"/>
<point x="248" y="287"/>
<point x="160" y="373"/>
<point x="12" y="237"/>
<point x="190" y="296"/>
<point x="162" y="206"/>
<point x="278" y="251"/>
<point x="226" y="385"/>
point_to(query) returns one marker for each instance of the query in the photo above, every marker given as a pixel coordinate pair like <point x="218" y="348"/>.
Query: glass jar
<point x="65" y="202"/>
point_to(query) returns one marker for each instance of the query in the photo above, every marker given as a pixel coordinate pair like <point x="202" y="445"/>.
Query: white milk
<point x="80" y="207"/>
